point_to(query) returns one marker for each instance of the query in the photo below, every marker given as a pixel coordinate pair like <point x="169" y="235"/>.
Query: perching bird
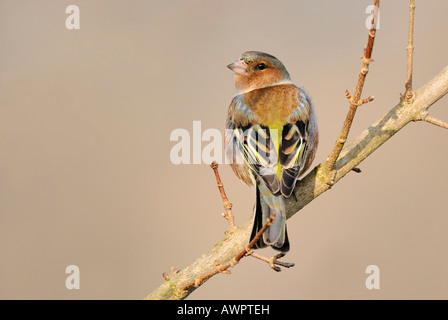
<point x="271" y="138"/>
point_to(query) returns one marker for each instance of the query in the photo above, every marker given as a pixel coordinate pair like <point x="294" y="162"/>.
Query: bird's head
<point x="255" y="70"/>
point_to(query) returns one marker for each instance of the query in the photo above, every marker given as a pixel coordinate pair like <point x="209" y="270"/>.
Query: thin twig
<point x="227" y="205"/>
<point x="257" y="237"/>
<point x="408" y="84"/>
<point x="436" y="122"/>
<point x="355" y="100"/>
<point x="223" y="268"/>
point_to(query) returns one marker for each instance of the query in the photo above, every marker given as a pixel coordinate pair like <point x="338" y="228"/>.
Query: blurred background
<point x="85" y="172"/>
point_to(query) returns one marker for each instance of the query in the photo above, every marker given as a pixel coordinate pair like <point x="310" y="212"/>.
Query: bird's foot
<point x="273" y="262"/>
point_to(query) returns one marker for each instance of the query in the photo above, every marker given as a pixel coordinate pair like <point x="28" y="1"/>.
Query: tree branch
<point x="226" y="203"/>
<point x="181" y="284"/>
<point x="314" y="184"/>
<point x="224" y="268"/>
<point x="408" y="84"/>
<point x="436" y="122"/>
<point x="355" y="101"/>
<point x="343" y="159"/>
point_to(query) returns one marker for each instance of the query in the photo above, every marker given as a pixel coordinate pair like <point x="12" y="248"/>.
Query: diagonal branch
<point x="314" y="184"/>
<point x="342" y="160"/>
<point x="181" y="284"/>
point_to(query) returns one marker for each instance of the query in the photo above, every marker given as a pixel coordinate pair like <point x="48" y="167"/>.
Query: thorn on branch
<point x="356" y="169"/>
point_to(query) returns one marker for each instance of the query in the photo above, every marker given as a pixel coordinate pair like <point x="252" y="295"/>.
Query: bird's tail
<point x="276" y="234"/>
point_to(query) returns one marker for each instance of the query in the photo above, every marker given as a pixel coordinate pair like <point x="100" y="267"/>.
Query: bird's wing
<point x="294" y="145"/>
<point x="251" y="144"/>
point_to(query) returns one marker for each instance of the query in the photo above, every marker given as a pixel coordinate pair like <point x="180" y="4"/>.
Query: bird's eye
<point x="261" y="66"/>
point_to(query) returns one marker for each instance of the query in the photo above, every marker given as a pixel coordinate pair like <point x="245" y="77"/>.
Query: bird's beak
<point x="238" y="67"/>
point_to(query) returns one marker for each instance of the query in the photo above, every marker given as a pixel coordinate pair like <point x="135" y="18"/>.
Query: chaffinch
<point x="271" y="138"/>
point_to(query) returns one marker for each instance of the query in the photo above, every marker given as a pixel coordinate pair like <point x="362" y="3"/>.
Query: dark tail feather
<point x="262" y="212"/>
<point x="289" y="178"/>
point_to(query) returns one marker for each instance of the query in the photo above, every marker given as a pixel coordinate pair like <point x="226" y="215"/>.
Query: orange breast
<point x="273" y="105"/>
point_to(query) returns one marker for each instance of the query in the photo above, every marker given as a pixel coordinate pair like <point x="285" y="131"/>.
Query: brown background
<point x="85" y="172"/>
